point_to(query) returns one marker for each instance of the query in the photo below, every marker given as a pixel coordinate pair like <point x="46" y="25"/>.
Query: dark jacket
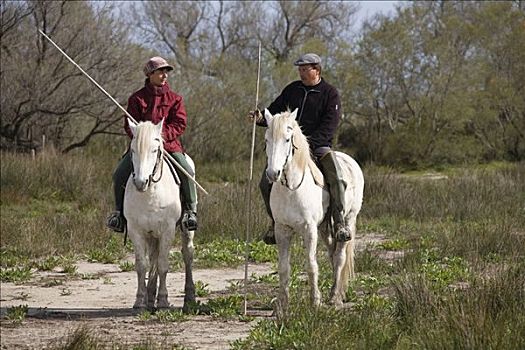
<point x="319" y="110"/>
<point x="153" y="103"/>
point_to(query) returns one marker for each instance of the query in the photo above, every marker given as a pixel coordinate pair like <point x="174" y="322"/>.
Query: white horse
<point x="152" y="208"/>
<point x="299" y="204"/>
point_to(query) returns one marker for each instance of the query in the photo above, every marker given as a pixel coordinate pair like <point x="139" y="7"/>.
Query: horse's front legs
<point x="140" y="267"/>
<point x="283" y="237"/>
<point x="310" y="243"/>
<point x="187" y="254"/>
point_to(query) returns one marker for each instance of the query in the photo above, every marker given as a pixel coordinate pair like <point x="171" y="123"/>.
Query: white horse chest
<point x="296" y="208"/>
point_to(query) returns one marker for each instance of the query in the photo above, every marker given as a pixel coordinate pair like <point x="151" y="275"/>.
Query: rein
<point x="155" y="167"/>
<point x="291" y="152"/>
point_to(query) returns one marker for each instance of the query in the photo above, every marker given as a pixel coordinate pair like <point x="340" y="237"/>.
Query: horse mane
<point x="302" y="156"/>
<point x="144" y="135"/>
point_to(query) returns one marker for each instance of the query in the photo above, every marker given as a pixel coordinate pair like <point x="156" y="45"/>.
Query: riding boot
<point x="265" y="187"/>
<point x="188" y="193"/>
<point x="116" y="220"/>
<point x="336" y="185"/>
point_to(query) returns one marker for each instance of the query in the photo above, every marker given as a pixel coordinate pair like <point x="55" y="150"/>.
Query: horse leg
<point x="343" y="263"/>
<point x="189" y="285"/>
<point x="163" y="267"/>
<point x="283" y="236"/>
<point x="338" y="262"/>
<point x="140" y="267"/>
<point x="349" y="266"/>
<point x="335" y="262"/>
<point x="310" y="243"/>
<point x="153" y="272"/>
<point x="329" y="242"/>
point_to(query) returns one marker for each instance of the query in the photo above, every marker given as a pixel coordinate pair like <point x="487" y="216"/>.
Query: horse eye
<point x="287" y="140"/>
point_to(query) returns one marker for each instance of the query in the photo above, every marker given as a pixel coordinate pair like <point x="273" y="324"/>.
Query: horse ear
<point x="132" y="126"/>
<point x="293" y="115"/>
<point x="159" y="126"/>
<point x="267" y="115"/>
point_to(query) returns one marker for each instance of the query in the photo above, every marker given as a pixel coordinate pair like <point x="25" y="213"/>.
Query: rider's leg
<point x="188" y="191"/>
<point x="336" y="184"/>
<point x="116" y="220"/>
<point x="265" y="186"/>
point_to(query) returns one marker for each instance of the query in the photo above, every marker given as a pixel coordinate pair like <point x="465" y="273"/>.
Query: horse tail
<point x="348" y="268"/>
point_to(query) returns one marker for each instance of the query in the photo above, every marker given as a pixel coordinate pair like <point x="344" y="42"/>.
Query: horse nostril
<point x="273" y="175"/>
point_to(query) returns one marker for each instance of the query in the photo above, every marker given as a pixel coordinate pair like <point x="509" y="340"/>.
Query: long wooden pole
<point x="249" y="189"/>
<point x="166" y="154"/>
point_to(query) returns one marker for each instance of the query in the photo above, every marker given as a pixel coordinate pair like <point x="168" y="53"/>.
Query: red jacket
<point x="154" y="103"/>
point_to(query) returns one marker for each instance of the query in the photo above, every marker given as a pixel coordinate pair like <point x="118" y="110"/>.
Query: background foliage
<point x="435" y="83"/>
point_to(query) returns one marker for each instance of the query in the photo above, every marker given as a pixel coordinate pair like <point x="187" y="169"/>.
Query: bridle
<point x="158" y="163"/>
<point x="290" y="154"/>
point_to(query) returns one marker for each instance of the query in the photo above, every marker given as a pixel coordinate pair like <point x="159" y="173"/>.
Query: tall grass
<point x="53" y="203"/>
<point x="458" y="285"/>
<point x="58" y="203"/>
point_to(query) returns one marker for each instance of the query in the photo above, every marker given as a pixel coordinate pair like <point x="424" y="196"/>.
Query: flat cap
<point x="155" y="63"/>
<point x="308" y="58"/>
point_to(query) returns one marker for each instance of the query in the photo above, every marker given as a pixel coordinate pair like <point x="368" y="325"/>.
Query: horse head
<point x="146" y="153"/>
<point x="279" y="139"/>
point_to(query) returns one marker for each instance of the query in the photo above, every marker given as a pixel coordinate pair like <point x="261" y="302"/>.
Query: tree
<point x="418" y="80"/>
<point x="214" y="46"/>
<point x="46" y="94"/>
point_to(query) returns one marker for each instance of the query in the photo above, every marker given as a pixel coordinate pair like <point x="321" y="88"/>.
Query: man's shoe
<point x="189" y="220"/>
<point x="269" y="236"/>
<point x="116" y="222"/>
<point x="342" y="234"/>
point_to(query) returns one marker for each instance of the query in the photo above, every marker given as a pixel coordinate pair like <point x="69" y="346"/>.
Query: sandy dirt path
<point x="58" y="306"/>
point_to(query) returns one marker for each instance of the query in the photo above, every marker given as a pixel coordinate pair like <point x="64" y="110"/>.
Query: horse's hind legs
<point x="163" y="267"/>
<point x="343" y="265"/>
<point x="189" y="285"/>
<point x="152" y="290"/>
<point x="338" y="261"/>
<point x="310" y="243"/>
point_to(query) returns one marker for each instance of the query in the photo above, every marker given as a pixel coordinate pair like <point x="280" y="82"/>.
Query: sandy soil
<point x="58" y="306"/>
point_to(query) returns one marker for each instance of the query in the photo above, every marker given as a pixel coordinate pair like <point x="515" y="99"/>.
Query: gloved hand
<point x="255" y="114"/>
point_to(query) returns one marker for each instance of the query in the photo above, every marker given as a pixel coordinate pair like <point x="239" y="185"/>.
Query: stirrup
<point x="116" y="222"/>
<point x="342" y="234"/>
<point x="269" y="236"/>
<point x="189" y="220"/>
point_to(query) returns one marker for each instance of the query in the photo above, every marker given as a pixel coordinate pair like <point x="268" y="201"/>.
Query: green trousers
<point x="125" y="167"/>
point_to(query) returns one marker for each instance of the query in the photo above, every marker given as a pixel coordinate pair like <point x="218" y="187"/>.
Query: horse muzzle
<point x="273" y="175"/>
<point x="141" y="184"/>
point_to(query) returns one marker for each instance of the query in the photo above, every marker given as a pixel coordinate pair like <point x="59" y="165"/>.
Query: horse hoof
<point x="336" y="302"/>
<point x="139" y="307"/>
<point x="163" y="305"/>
